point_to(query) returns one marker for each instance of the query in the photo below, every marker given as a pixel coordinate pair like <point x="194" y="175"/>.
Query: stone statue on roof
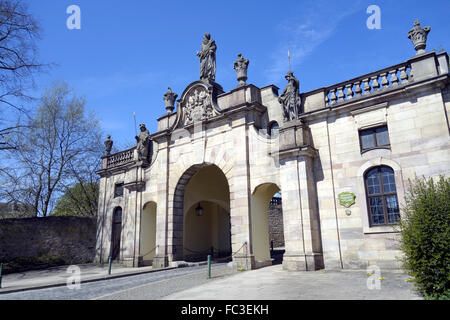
<point x="143" y="143"/>
<point x="207" y="59"/>
<point x="290" y="98"/>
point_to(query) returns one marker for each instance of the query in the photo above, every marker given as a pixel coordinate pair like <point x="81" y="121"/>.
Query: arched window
<point x="381" y="196"/>
<point x="273" y="129"/>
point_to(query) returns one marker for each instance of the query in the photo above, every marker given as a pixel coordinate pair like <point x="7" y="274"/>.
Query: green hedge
<point x="425" y="236"/>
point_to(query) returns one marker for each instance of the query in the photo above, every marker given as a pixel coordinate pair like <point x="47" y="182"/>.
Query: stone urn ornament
<point x="418" y="36"/>
<point x="241" y="66"/>
<point x="169" y="99"/>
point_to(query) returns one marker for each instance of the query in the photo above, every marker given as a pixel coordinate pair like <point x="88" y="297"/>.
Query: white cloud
<point x="302" y="35"/>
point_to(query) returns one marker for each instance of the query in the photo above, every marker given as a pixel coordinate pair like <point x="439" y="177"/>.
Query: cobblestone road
<point x="152" y="286"/>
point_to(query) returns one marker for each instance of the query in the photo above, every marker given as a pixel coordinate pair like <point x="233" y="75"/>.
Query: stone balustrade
<point x="120" y="158"/>
<point x="371" y="83"/>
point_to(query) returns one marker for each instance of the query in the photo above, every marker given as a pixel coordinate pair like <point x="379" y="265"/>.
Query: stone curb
<point x="86" y="280"/>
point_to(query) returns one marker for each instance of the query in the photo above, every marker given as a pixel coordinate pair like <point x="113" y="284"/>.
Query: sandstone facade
<point x="311" y="159"/>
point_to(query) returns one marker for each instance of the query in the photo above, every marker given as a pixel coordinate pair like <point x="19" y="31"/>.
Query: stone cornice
<point x="249" y="85"/>
<point x="135" y="185"/>
<point x="226" y="113"/>
<point x="121" y="168"/>
<point x="371" y="108"/>
<point x="302" y="151"/>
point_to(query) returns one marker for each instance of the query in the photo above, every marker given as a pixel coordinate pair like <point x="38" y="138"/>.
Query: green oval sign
<point x="346" y="199"/>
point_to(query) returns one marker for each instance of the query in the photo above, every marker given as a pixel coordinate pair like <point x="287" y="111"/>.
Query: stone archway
<point x="260" y="200"/>
<point x="205" y="184"/>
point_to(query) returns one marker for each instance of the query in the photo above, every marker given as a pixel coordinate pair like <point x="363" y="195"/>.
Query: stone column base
<point x="246" y="262"/>
<point x="144" y="263"/>
<point x="160" y="262"/>
<point x="262" y="264"/>
<point x="128" y="262"/>
<point x="302" y="261"/>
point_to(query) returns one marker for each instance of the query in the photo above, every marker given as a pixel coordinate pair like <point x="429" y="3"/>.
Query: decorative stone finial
<point x="108" y="144"/>
<point x="207" y="59"/>
<point x="290" y="98"/>
<point x="169" y="98"/>
<point x="418" y="36"/>
<point x="241" y="66"/>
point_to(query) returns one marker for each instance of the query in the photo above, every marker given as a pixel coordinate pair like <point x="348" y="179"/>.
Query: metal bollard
<point x="109" y="265"/>
<point x="209" y="266"/>
<point x="1" y="270"/>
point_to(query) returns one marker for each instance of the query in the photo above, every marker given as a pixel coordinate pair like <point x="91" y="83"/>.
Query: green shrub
<point x="425" y="236"/>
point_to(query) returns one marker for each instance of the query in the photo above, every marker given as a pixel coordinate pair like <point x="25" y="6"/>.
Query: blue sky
<point x="128" y="52"/>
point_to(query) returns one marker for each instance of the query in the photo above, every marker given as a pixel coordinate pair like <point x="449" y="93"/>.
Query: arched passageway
<point x="206" y="231"/>
<point x="202" y="214"/>
<point x="261" y="240"/>
<point x="148" y="234"/>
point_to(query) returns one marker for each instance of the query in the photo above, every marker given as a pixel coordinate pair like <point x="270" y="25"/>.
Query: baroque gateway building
<point x="340" y="156"/>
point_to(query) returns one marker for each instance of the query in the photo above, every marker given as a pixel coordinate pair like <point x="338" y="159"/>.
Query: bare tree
<point x="52" y="152"/>
<point x="18" y="62"/>
<point x="81" y="188"/>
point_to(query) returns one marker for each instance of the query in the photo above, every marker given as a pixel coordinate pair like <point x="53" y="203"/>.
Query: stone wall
<point x="276" y="232"/>
<point x="27" y="243"/>
<point x="15" y="210"/>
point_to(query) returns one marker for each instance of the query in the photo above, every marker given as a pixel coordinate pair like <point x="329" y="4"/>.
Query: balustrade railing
<point x="120" y="158"/>
<point x="380" y="80"/>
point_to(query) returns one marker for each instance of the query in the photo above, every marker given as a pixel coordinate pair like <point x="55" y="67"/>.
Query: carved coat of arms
<point x="198" y="106"/>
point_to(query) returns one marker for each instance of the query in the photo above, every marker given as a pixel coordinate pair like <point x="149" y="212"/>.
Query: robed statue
<point x="143" y="143"/>
<point x="290" y="98"/>
<point x="208" y="58"/>
<point x="108" y="145"/>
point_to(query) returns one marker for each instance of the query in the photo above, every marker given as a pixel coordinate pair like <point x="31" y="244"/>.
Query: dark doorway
<point x="276" y="229"/>
<point x="116" y="233"/>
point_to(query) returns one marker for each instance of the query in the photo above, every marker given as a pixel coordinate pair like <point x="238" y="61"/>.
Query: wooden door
<point x="116" y="233"/>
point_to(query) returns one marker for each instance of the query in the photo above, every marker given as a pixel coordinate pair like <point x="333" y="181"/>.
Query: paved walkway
<point x="144" y="286"/>
<point x="59" y="275"/>
<point x="273" y="283"/>
<point x="270" y="283"/>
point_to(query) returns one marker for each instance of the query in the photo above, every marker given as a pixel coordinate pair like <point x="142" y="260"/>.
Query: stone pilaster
<point x="300" y="214"/>
<point x="161" y="259"/>
<point x="133" y="222"/>
<point x="240" y="211"/>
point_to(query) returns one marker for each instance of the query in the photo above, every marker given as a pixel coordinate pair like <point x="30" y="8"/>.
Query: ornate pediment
<point x="198" y="103"/>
